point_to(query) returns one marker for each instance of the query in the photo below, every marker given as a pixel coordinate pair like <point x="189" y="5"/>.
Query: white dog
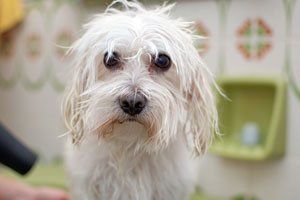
<point x="138" y="107"/>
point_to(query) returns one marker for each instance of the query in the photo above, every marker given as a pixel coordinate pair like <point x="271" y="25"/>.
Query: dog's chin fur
<point x="112" y="155"/>
<point x="115" y="169"/>
<point x="110" y="128"/>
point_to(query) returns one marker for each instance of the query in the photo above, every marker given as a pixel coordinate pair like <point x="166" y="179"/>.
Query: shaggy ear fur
<point x="202" y="115"/>
<point x="72" y="104"/>
<point x="84" y="76"/>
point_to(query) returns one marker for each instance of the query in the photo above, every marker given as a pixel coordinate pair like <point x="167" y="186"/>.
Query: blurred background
<point x="253" y="47"/>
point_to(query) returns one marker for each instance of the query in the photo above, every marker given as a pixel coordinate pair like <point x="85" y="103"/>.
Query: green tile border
<point x="289" y="6"/>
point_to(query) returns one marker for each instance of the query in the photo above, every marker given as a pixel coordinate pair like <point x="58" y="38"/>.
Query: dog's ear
<point x="202" y="117"/>
<point x="73" y="107"/>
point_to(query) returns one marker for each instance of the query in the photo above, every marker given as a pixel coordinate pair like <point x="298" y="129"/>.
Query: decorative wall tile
<point x="203" y="45"/>
<point x="34" y="47"/>
<point x="64" y="29"/>
<point x="205" y="15"/>
<point x="255" y="37"/>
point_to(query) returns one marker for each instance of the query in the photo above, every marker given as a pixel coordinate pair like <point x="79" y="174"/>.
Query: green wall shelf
<point x="252" y="118"/>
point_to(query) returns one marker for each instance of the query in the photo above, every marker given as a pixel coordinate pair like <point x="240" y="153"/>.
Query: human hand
<point x="14" y="190"/>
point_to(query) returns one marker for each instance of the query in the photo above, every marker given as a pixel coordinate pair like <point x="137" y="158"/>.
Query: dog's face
<point x="139" y="67"/>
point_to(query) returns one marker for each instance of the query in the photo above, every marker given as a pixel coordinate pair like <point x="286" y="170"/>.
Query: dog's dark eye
<point x="163" y="62"/>
<point x="113" y="61"/>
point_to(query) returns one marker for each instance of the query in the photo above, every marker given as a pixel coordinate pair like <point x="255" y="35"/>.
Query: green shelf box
<point x="252" y="118"/>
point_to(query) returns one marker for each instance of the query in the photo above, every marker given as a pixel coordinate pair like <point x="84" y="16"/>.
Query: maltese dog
<point x="139" y="107"/>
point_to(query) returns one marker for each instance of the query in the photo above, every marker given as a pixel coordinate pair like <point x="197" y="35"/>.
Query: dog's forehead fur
<point x="135" y="30"/>
<point x="136" y="27"/>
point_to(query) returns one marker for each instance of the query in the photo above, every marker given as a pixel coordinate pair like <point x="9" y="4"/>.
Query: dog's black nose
<point x="133" y="104"/>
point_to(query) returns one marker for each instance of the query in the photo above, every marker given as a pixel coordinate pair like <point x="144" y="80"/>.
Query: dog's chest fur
<point x="98" y="171"/>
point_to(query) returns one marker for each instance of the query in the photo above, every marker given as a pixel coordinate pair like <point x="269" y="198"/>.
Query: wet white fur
<point x="110" y="158"/>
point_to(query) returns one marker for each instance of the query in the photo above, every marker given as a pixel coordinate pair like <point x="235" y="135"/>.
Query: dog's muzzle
<point x="133" y="104"/>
